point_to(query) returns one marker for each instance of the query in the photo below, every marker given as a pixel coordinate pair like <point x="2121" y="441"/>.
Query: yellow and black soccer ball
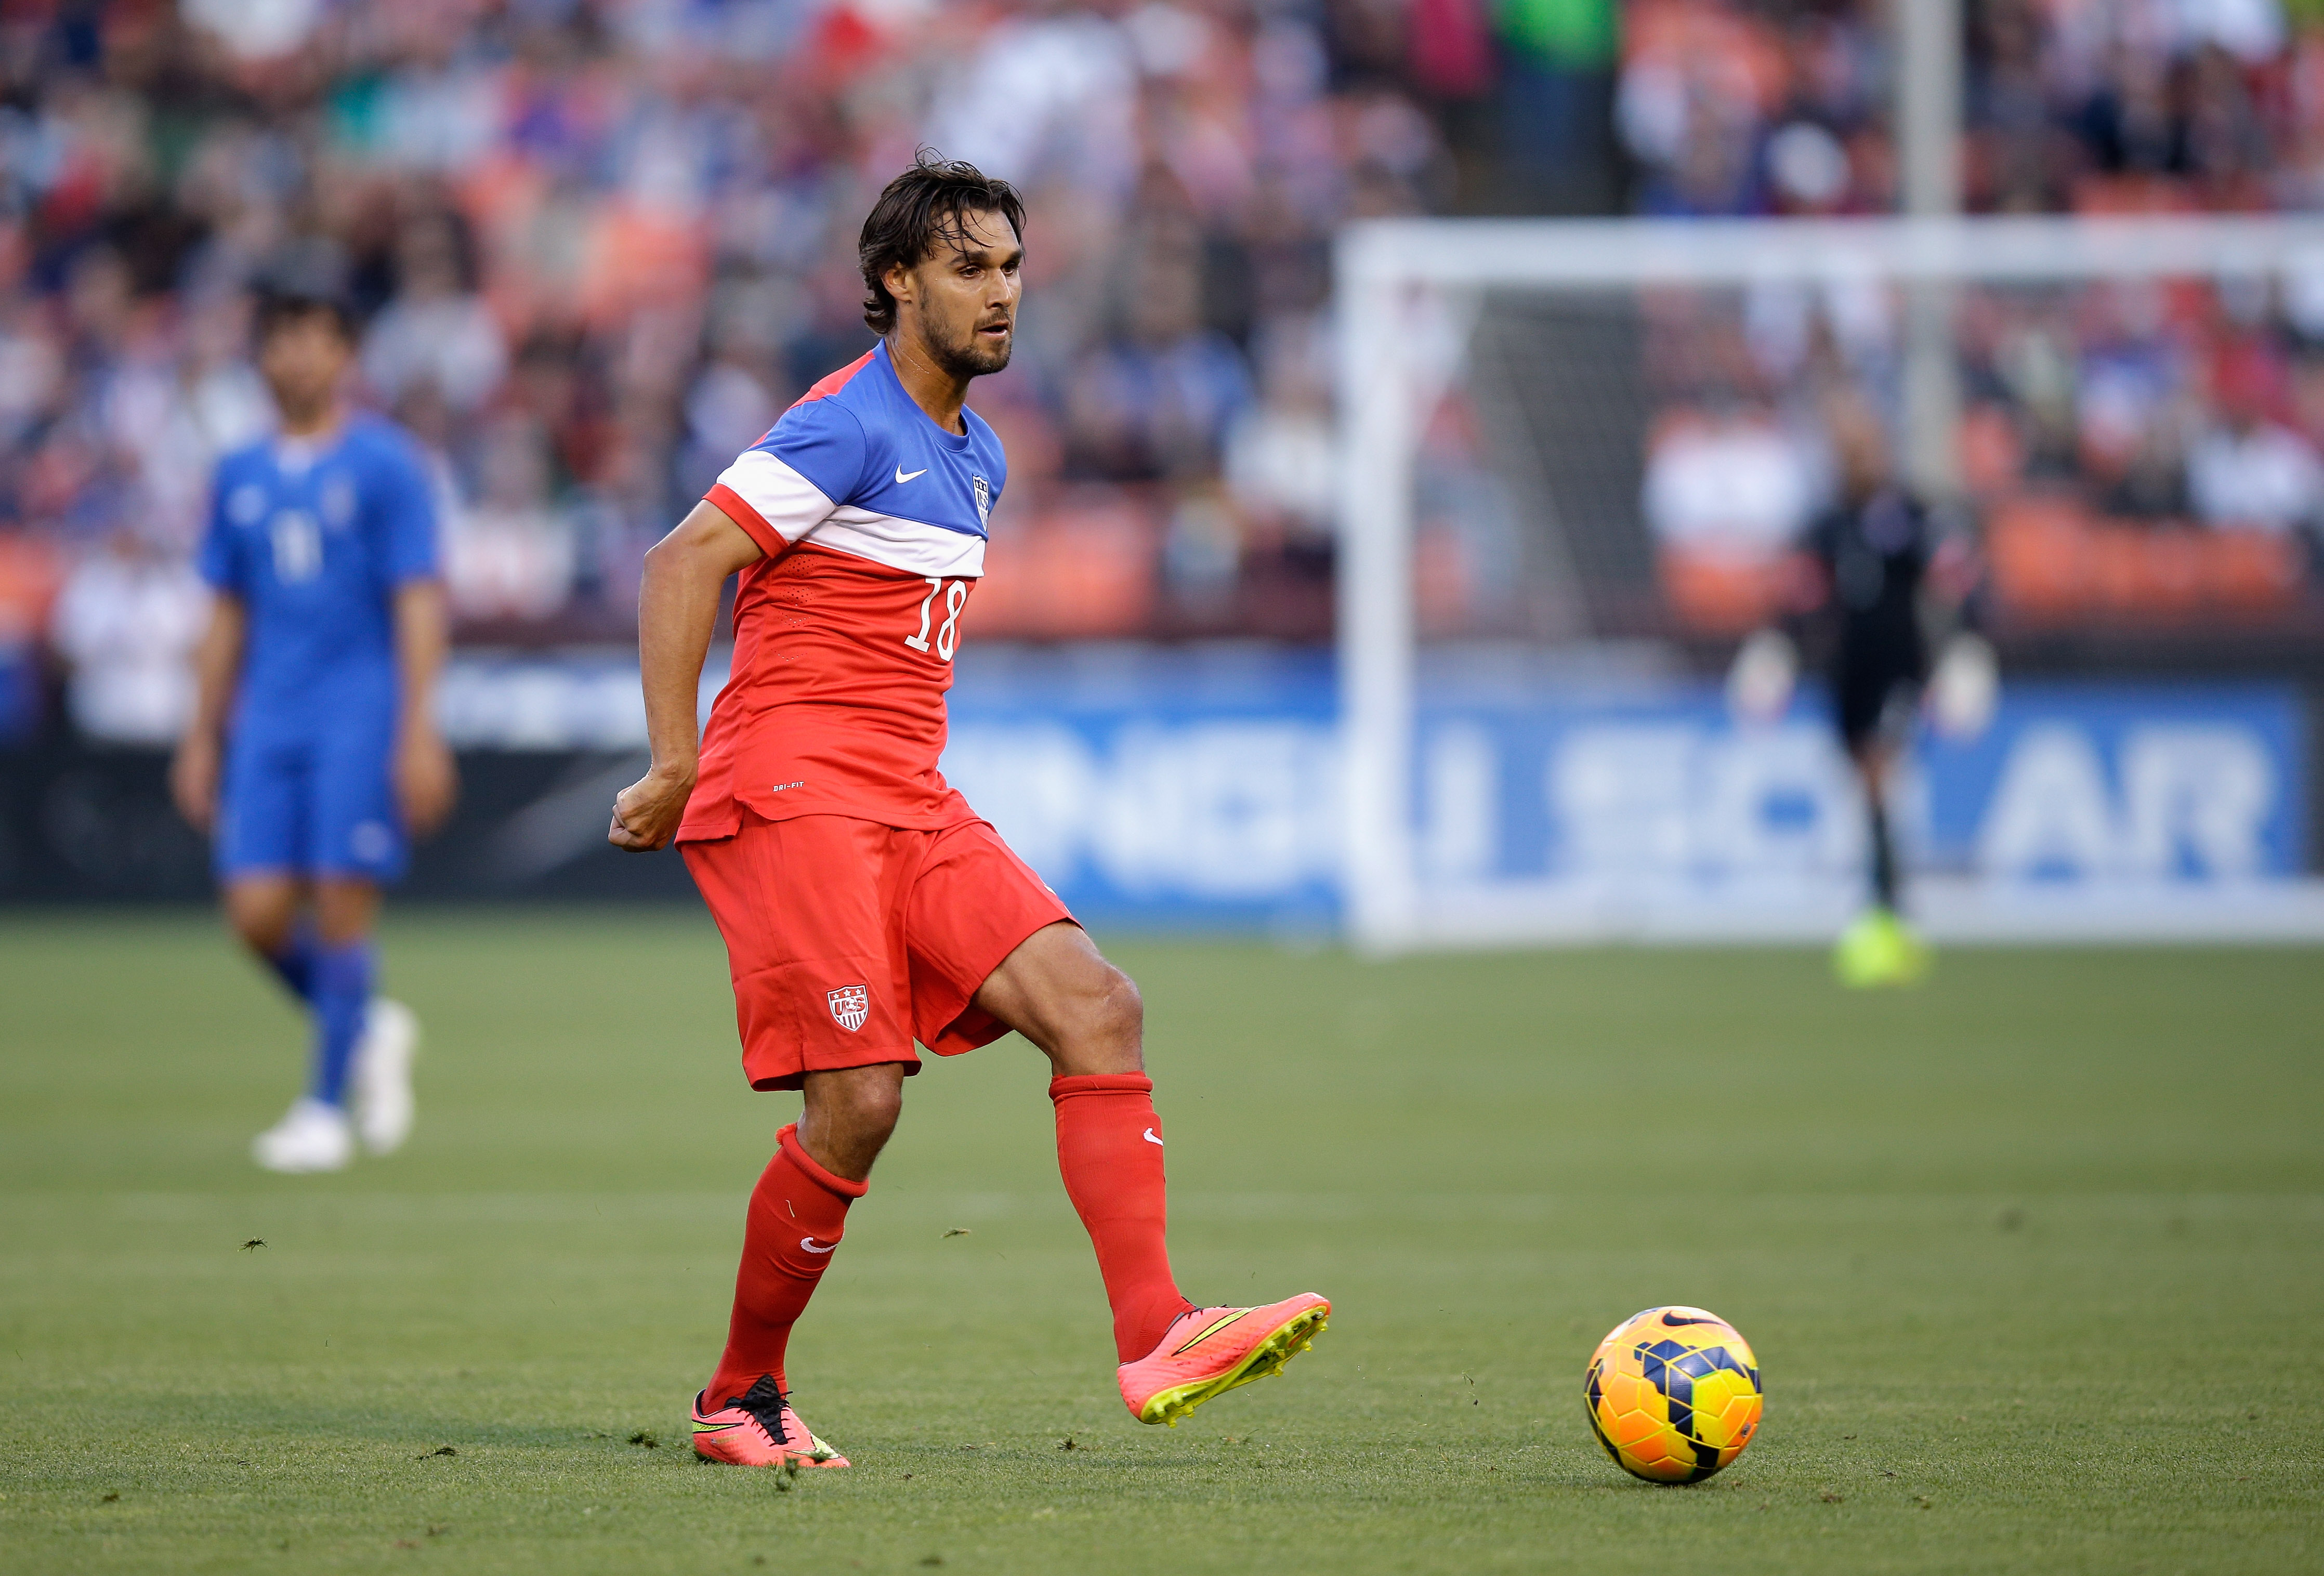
<point x="1673" y="1394"/>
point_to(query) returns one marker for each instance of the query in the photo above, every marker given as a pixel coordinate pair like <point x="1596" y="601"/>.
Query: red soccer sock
<point x="798" y="1213"/>
<point x="1109" y="1150"/>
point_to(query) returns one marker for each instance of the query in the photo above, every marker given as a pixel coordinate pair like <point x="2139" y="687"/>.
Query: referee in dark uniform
<point x="1880" y="549"/>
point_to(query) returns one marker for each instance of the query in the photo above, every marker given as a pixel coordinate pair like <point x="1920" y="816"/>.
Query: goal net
<point x="1577" y="456"/>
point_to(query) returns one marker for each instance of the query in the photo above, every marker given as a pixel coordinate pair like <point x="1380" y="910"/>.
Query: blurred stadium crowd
<point x="600" y="246"/>
<point x="2089" y="106"/>
<point x="2139" y="456"/>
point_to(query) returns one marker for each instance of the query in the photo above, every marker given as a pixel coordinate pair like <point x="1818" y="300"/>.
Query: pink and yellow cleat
<point x="1212" y="1351"/>
<point x="759" y="1430"/>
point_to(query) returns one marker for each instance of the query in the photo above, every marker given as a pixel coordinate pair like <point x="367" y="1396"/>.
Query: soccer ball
<point x="1673" y="1394"/>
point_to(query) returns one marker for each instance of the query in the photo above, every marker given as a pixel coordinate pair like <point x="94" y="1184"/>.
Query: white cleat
<point x="313" y="1137"/>
<point x="382" y="1075"/>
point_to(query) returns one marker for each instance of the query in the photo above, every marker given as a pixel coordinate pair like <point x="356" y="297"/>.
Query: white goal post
<point x="1397" y="278"/>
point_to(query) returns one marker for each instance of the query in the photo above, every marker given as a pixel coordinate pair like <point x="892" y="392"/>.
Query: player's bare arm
<point x="677" y="611"/>
<point x="426" y="779"/>
<point x="218" y="659"/>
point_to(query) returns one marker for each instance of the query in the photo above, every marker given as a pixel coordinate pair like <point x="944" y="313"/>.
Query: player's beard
<point x="973" y="357"/>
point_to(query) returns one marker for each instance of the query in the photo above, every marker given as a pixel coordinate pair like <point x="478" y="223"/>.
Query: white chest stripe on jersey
<point x="796" y="509"/>
<point x="901" y="544"/>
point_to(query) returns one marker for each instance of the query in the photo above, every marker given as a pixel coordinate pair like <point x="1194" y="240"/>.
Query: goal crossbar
<point x="1581" y="252"/>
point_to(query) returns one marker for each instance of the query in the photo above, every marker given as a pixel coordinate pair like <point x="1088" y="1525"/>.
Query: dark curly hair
<point x="924" y="209"/>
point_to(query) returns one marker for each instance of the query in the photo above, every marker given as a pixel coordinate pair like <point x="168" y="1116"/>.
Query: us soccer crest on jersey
<point x="850" y="1006"/>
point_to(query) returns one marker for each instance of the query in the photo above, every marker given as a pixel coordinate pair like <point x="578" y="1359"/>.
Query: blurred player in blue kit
<point x="313" y="755"/>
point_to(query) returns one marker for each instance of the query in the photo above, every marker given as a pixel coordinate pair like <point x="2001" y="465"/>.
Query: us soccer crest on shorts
<point x="850" y="1006"/>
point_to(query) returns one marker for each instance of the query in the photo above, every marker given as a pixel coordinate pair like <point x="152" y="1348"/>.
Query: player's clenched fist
<point x="193" y="778"/>
<point x="427" y="780"/>
<point x="646" y="813"/>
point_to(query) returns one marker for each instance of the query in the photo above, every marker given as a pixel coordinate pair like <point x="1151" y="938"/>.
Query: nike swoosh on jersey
<point x="1151" y="1139"/>
<point x="903" y="476"/>
<point x="808" y="1243"/>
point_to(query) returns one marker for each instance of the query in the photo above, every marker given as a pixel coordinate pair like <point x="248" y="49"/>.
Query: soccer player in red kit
<point x="863" y="904"/>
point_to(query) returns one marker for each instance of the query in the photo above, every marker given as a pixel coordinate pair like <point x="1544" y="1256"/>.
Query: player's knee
<point x="261" y="937"/>
<point x="1125" y="1009"/>
<point x="1113" y="1020"/>
<point x="344" y="910"/>
<point x="868" y="1109"/>
<point x="878" y="1112"/>
<point x="262" y="925"/>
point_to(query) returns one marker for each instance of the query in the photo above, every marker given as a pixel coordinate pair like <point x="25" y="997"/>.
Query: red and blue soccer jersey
<point x="873" y="519"/>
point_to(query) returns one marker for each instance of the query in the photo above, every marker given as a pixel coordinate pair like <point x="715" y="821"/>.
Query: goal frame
<point x="1384" y="268"/>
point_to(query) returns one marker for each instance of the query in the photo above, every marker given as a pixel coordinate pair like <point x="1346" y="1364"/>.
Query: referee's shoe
<point x="1880" y="949"/>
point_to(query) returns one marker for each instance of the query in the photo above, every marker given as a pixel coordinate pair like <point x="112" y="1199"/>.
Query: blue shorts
<point x="321" y="805"/>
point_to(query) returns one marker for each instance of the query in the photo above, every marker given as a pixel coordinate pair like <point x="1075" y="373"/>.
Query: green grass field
<point x="2033" y="1259"/>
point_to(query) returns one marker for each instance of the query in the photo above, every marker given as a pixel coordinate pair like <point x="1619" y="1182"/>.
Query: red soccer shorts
<point x="848" y="940"/>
